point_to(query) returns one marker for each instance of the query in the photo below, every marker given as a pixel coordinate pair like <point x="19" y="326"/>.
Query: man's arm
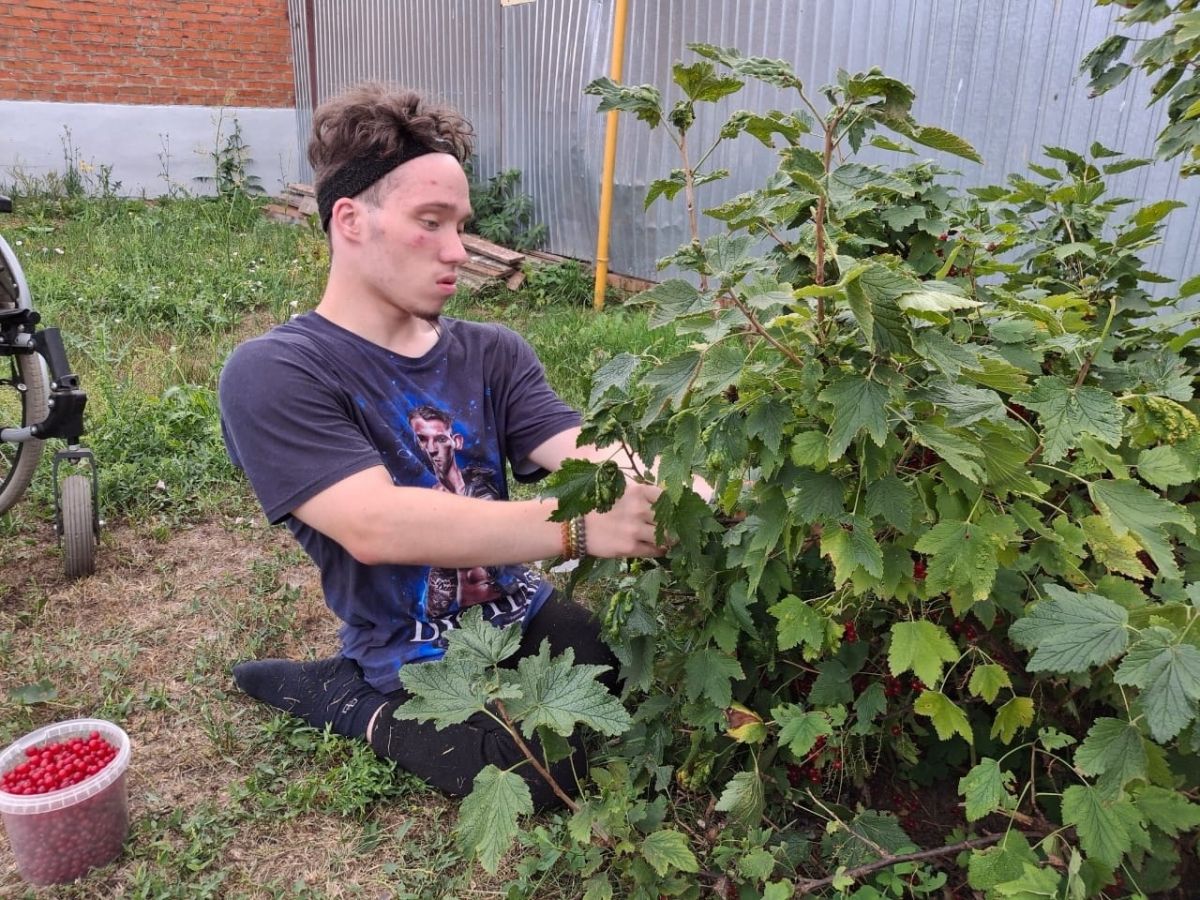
<point x="378" y="522"/>
<point x="551" y="453"/>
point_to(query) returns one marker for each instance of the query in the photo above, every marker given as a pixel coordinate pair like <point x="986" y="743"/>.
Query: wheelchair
<point x="40" y="399"/>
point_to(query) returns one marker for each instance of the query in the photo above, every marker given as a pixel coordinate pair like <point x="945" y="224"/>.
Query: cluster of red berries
<point x="920" y="570"/>
<point x="53" y="767"/>
<point x="965" y="629"/>
<point x="907" y="807"/>
<point x="894" y="687"/>
<point x="850" y="632"/>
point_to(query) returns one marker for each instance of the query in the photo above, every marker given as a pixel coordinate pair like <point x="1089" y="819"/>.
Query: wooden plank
<point x="476" y="244"/>
<point x="486" y="268"/>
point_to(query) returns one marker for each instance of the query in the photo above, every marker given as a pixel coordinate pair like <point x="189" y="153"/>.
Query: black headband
<point x="356" y="175"/>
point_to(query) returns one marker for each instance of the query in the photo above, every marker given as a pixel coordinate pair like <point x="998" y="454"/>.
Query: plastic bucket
<point x="59" y="835"/>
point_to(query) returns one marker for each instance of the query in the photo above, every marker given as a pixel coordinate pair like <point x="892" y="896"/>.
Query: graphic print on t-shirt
<point x="506" y="589"/>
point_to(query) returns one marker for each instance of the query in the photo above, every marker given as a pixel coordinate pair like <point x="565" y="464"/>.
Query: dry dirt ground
<point x="148" y="641"/>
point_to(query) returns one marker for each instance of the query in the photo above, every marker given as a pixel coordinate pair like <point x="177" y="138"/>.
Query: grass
<point x="227" y="800"/>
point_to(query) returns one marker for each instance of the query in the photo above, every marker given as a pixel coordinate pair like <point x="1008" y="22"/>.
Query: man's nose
<point x="454" y="251"/>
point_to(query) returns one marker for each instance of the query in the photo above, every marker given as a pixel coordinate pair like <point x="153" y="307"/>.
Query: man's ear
<point x="458" y="442"/>
<point x="348" y="217"/>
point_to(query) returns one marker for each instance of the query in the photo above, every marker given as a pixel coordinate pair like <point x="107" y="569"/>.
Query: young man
<point x="333" y="416"/>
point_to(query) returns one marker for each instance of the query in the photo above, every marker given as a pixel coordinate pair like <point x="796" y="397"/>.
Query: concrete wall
<point x="152" y="150"/>
<point x="146" y="90"/>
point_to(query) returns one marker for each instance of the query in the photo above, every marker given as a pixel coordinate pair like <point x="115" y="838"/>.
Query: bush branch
<point x="805" y="888"/>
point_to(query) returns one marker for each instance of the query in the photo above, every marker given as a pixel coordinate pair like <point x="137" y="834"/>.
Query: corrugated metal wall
<point x="1001" y="74"/>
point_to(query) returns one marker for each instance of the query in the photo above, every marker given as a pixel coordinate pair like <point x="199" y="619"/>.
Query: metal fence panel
<point x="1003" y="75"/>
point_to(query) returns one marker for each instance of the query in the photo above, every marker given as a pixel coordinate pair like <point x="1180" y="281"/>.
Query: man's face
<point x="438" y="442"/>
<point x="414" y="247"/>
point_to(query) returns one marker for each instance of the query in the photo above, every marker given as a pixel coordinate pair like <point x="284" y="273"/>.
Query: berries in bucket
<point x="63" y="799"/>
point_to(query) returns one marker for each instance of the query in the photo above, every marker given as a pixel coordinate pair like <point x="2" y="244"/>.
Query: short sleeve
<point x="532" y="412"/>
<point x="290" y="430"/>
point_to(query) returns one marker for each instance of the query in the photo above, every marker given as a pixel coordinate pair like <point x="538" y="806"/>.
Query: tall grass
<point x="152" y="296"/>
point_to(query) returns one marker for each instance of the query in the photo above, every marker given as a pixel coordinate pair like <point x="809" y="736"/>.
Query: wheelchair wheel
<point x="24" y="390"/>
<point x="78" y="517"/>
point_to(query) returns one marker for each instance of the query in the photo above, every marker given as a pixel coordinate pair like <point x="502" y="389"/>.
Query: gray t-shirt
<point x="309" y="404"/>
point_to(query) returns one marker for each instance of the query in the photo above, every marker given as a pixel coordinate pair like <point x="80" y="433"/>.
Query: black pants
<point x="333" y="692"/>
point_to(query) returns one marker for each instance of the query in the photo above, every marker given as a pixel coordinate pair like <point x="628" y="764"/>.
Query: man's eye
<point x="430" y="223"/>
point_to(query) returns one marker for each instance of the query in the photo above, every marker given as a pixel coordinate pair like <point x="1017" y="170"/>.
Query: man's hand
<point x="628" y="528"/>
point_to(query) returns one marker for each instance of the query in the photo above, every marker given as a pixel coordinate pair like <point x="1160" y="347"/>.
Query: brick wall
<point x="178" y="52"/>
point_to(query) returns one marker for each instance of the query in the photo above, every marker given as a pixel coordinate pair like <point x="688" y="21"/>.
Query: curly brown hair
<point x="373" y="120"/>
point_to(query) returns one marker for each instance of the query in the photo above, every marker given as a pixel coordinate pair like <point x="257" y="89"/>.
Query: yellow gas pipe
<point x="610" y="157"/>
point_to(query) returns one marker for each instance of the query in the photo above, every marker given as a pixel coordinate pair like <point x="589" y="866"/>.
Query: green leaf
<point x="446" y="692"/>
<point x="1002" y="863"/>
<point x="644" y="100"/>
<point x="832" y="685"/>
<point x="597" y="887"/>
<point x="964" y="404"/>
<point x="743" y="798"/>
<point x="1033" y="883"/>
<point x="773" y="71"/>
<point x="1168" y="674"/>
<point x="987" y="681"/>
<point x="1133" y="509"/>
<point x="986" y="789"/>
<point x="1065" y="412"/>
<point x="892" y="500"/>
<point x="778" y="890"/>
<point x="1117" y="554"/>
<point x="948" y="719"/>
<point x="1155" y="212"/>
<point x="998" y="374"/>
<point x="872" y="297"/>
<point x="799" y="730"/>
<point x="922" y="648"/>
<point x="668" y="850"/>
<point x="940" y="301"/>
<point x="557" y="694"/>
<point x="708" y="674"/>
<point x="1017" y="713"/>
<point x="959" y="453"/>
<point x="614" y="376"/>
<point x="961" y="557"/>
<point x="766" y="421"/>
<point x="818" y="497"/>
<point x="481" y="641"/>
<point x="857" y="403"/>
<point x="667" y="187"/>
<point x="701" y="82"/>
<point x="946" y="141"/>
<point x="1006" y="462"/>
<point x="1106" y="829"/>
<point x="947" y="357"/>
<point x="810" y="449"/>
<point x="39" y="692"/>
<point x="866" y="834"/>
<point x="582" y="486"/>
<point x="1113" y="747"/>
<point x="757" y="864"/>
<point x="670" y="383"/>
<point x="852" y="548"/>
<point x="799" y="624"/>
<point x="487" y="817"/>
<point x="1168" y="810"/>
<point x="671" y="300"/>
<point x="1167" y="466"/>
<point x="1072" y="632"/>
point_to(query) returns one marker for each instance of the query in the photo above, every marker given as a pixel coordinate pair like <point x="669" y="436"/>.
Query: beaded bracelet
<point x="574" y="539"/>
